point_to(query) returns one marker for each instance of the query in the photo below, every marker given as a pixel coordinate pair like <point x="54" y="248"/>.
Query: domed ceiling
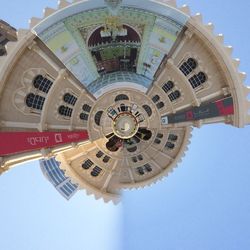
<point x="91" y="40"/>
<point x="124" y="82"/>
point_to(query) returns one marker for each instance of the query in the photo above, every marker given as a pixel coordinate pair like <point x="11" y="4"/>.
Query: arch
<point x="86" y="108"/>
<point x="113" y="144"/>
<point x="168" y="86"/>
<point x="65" y="111"/>
<point x="140" y="157"/>
<point x="35" y="101"/>
<point x="134" y="159"/>
<point x="172" y="137"/>
<point x="42" y="83"/>
<point x="132" y="149"/>
<point x="99" y="154"/>
<point x="106" y="159"/>
<point x="159" y="135"/>
<point x="140" y="170"/>
<point x="147" y="109"/>
<point x="197" y="80"/>
<point x="123" y="107"/>
<point x="160" y="105"/>
<point x="96" y="171"/>
<point x="157" y="141"/>
<point x="98" y="117"/>
<point x="95" y="38"/>
<point x="144" y="134"/>
<point x="135" y="139"/>
<point x="148" y="167"/>
<point x="155" y="98"/>
<point x="109" y="135"/>
<point x="188" y="66"/>
<point x="174" y="95"/>
<point x="87" y="164"/>
<point x="121" y="97"/>
<point x="27" y="86"/>
<point x="84" y="116"/>
<point x="169" y="145"/>
<point x="70" y="99"/>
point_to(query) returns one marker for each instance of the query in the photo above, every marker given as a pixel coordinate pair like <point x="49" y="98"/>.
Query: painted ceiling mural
<point x="96" y="42"/>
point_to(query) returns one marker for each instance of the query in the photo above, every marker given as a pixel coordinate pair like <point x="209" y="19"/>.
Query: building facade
<point x="57" y="178"/>
<point x="133" y="76"/>
<point x="7" y="33"/>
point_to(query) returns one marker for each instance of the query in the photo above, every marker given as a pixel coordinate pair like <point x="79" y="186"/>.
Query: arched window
<point x="148" y="167"/>
<point x="160" y="105"/>
<point x="106" y="159"/>
<point x="42" y="83"/>
<point x="121" y="98"/>
<point x="187" y="67"/>
<point x="70" y="99"/>
<point x="65" y="111"/>
<point x="134" y="159"/>
<point x="87" y="164"/>
<point x="157" y="141"/>
<point x="35" y="101"/>
<point x="84" y="116"/>
<point x="169" y="145"/>
<point x="155" y="98"/>
<point x="96" y="171"/>
<point x="135" y="139"/>
<point x="147" y="109"/>
<point x="140" y="157"/>
<point x="109" y="135"/>
<point x="86" y="108"/>
<point x="98" y="117"/>
<point x="132" y="149"/>
<point x="168" y="86"/>
<point x="123" y="107"/>
<point x="197" y="80"/>
<point x="140" y="171"/>
<point x="172" y="137"/>
<point x="99" y="154"/>
<point x="159" y="135"/>
<point x="174" y="95"/>
<point x="144" y="134"/>
<point x="114" y="143"/>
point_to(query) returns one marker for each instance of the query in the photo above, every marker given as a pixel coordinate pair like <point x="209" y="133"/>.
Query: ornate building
<point x="7" y="33"/>
<point x="106" y="93"/>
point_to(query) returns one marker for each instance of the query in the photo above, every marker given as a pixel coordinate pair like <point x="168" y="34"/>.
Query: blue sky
<point x="203" y="205"/>
<point x="34" y="216"/>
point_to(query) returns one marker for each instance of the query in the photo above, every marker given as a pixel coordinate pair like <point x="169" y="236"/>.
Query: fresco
<point x="69" y="37"/>
<point x="159" y="44"/>
<point x="63" y="45"/>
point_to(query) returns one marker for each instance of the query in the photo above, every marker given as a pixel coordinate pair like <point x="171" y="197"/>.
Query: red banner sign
<point x="20" y="142"/>
<point x="224" y="109"/>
